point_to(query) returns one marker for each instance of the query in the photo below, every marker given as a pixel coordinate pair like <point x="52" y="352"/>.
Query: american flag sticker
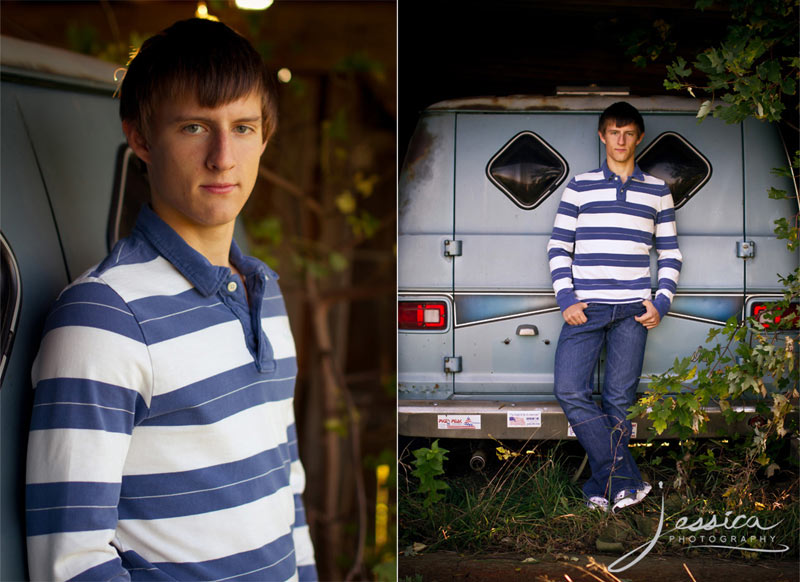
<point x="530" y="419"/>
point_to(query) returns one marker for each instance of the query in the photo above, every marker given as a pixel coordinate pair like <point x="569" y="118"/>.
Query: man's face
<point x="202" y="162"/>
<point x="620" y="142"/>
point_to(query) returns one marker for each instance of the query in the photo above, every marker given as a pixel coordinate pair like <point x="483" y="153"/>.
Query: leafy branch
<point x="753" y="70"/>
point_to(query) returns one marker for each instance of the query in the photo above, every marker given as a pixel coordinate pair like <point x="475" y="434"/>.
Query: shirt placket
<point x="249" y="316"/>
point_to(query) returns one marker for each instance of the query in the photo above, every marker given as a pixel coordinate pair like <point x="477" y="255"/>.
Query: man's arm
<point x="560" y="252"/>
<point x="669" y="257"/>
<point x="304" y="550"/>
<point x="89" y="379"/>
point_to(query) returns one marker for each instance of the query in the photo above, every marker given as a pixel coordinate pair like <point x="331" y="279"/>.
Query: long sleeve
<point x="561" y="248"/>
<point x="306" y="567"/>
<point x="90" y="377"/>
<point x="669" y="256"/>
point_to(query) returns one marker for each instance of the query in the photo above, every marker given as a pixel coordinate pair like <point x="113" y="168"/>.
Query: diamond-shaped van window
<point x="677" y="162"/>
<point x="527" y="170"/>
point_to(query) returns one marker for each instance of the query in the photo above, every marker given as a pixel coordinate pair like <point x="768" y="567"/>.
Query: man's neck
<point x="624" y="171"/>
<point x="214" y="244"/>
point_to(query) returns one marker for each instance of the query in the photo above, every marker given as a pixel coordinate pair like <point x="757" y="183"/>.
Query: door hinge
<point x="452" y="248"/>
<point x="745" y="249"/>
<point x="452" y="365"/>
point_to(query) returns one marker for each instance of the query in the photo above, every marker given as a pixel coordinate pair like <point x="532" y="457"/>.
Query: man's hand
<point x="651" y="318"/>
<point x="574" y="315"/>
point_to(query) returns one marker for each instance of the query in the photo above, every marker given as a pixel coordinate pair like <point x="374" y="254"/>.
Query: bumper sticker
<point x="449" y="421"/>
<point x="524" y="419"/>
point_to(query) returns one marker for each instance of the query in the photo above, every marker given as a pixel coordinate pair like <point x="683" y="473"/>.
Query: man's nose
<point x="220" y="154"/>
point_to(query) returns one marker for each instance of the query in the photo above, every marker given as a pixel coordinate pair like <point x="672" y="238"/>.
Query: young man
<point x="163" y="444"/>
<point x="599" y="257"/>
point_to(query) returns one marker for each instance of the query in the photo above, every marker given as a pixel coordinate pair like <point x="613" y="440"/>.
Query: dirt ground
<point x="452" y="567"/>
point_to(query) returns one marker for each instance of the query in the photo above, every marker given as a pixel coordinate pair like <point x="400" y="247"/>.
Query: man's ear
<point x="136" y="141"/>
<point x="641" y="137"/>
<point x="602" y="137"/>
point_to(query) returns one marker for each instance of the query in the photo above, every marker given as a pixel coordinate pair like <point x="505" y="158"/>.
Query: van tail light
<point x="422" y="315"/>
<point x="762" y="314"/>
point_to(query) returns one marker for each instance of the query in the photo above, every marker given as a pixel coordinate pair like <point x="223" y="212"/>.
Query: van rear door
<point x="710" y="224"/>
<point x="506" y="319"/>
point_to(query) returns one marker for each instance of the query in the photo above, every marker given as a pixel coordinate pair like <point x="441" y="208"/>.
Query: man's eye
<point x="193" y="128"/>
<point x="243" y="129"/>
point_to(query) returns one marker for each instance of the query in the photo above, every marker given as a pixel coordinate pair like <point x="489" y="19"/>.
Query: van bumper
<point x="539" y="420"/>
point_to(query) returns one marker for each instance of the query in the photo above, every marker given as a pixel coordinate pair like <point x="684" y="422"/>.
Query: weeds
<point x="429" y="464"/>
<point x="528" y="504"/>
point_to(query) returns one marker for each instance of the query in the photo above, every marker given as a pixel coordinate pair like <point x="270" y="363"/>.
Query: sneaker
<point x="628" y="497"/>
<point x="597" y="503"/>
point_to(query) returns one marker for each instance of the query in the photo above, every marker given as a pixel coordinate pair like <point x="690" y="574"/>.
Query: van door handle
<point x="527" y="330"/>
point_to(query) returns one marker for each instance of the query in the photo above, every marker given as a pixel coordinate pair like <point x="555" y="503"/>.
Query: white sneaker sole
<point x="633" y="499"/>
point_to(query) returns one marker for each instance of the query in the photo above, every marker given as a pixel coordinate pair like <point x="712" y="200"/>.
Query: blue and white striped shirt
<point x="599" y="251"/>
<point x="163" y="443"/>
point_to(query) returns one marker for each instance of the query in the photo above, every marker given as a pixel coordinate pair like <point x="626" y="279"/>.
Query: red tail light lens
<point x="422" y="315"/>
<point x="761" y="313"/>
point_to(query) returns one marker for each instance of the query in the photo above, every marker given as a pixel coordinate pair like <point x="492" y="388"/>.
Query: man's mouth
<point x="219" y="187"/>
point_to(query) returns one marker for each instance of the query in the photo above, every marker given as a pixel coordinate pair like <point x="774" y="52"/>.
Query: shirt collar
<point x="206" y="278"/>
<point x="608" y="174"/>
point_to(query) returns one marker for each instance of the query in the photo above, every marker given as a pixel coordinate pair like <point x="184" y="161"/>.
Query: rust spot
<point x="418" y="151"/>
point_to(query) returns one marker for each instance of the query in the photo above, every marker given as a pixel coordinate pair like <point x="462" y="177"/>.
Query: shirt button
<point x="232" y="286"/>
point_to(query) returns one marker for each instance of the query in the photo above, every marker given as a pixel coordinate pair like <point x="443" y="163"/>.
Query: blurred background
<point x="323" y="215"/>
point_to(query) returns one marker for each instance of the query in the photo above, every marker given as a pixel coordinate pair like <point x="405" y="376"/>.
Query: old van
<point x="479" y="188"/>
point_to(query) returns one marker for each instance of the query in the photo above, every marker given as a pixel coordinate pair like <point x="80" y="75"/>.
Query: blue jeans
<point x="603" y="431"/>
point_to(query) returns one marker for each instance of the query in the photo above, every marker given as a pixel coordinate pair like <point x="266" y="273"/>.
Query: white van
<point x="478" y="322"/>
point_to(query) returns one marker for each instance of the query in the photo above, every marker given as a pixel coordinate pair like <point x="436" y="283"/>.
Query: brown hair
<point x="199" y="58"/>
<point x="621" y="113"/>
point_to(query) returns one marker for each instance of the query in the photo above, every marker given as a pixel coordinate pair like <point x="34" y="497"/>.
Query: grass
<point x="529" y="504"/>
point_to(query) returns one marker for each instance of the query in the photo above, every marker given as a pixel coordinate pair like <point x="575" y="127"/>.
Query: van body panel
<point x="497" y="359"/>
<point x="66" y="130"/>
<point x="423" y="353"/>
<point x="425" y="206"/>
<point x="711" y="222"/>
<point x="762" y="149"/>
<point x="503" y="243"/>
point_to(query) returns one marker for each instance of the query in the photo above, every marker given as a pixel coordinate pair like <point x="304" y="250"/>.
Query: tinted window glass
<point x="131" y="190"/>
<point x="674" y="160"/>
<point x="527" y="169"/>
<point x="10" y="302"/>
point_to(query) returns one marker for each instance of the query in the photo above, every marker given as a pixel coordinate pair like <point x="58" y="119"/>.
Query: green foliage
<point x="385" y="571"/>
<point x="429" y="463"/>
<point x="648" y="44"/>
<point x="787" y="229"/>
<point x="754" y="67"/>
<point x="753" y="360"/>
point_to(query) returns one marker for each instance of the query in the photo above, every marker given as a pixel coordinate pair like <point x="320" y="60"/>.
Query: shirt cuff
<point x="566" y="298"/>
<point x="662" y="304"/>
